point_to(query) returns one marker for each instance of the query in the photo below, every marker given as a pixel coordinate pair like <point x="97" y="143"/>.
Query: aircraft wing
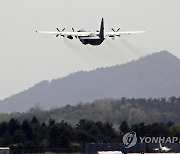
<point x="81" y="34"/>
<point x="113" y="34"/>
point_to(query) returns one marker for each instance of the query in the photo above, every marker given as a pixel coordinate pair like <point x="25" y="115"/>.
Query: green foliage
<point x="124" y="127"/>
<point x="117" y="110"/>
<point x="175" y="130"/>
<point x="34" y="134"/>
<point x="107" y="110"/>
<point x="76" y="147"/>
<point x="27" y="129"/>
<point x="90" y="122"/>
<point x="14" y="125"/>
<point x="3" y="128"/>
<point x="34" y="120"/>
<point x="19" y="137"/>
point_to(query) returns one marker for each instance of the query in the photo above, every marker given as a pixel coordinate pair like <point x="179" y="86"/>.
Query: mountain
<point x="155" y="75"/>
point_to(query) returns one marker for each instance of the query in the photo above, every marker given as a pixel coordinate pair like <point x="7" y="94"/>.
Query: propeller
<point x="115" y="30"/>
<point x="60" y="31"/>
<point x="74" y="31"/>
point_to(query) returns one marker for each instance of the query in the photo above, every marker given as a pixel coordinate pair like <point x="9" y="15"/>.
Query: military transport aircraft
<point x="92" y="38"/>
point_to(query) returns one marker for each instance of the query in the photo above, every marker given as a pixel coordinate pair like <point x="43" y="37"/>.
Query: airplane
<point x="88" y="37"/>
<point x="162" y="148"/>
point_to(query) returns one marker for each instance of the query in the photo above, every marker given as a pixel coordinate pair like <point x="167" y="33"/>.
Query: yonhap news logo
<point x="130" y="139"/>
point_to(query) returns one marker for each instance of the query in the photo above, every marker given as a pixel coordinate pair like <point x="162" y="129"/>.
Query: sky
<point x="27" y="58"/>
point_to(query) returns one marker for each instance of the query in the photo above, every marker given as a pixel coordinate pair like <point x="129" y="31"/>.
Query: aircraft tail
<point x="101" y="32"/>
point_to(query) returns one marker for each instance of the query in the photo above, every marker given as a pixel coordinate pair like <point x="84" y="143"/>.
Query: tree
<point x="157" y="129"/>
<point x="169" y="124"/>
<point x="34" y="120"/>
<point x="124" y="127"/>
<point x="175" y="130"/>
<point x="19" y="137"/>
<point x="3" y="128"/>
<point x="140" y="129"/>
<point x="51" y="122"/>
<point x="7" y="139"/>
<point x="27" y="129"/>
<point x="13" y="126"/>
<point x="53" y="136"/>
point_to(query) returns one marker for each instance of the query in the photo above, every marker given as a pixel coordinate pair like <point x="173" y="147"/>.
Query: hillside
<point x="156" y="75"/>
<point x="108" y="110"/>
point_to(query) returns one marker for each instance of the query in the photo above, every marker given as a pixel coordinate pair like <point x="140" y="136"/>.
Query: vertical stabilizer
<point x="101" y="32"/>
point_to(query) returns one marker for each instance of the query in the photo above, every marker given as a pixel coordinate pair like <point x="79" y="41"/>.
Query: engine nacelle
<point x="70" y="37"/>
<point x="111" y="36"/>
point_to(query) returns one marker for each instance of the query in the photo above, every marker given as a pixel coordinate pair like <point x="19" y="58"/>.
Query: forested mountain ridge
<point x="155" y="76"/>
<point x="108" y="110"/>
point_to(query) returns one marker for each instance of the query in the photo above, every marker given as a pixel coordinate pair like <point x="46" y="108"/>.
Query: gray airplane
<point x="88" y="37"/>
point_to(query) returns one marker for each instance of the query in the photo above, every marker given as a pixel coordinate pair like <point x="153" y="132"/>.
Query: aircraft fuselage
<point x="91" y="41"/>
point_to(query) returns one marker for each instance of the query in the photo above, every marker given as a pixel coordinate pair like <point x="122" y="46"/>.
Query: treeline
<point x="108" y="110"/>
<point x="34" y="134"/>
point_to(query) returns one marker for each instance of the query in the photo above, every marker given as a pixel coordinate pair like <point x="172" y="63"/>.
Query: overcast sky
<point x="27" y="58"/>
